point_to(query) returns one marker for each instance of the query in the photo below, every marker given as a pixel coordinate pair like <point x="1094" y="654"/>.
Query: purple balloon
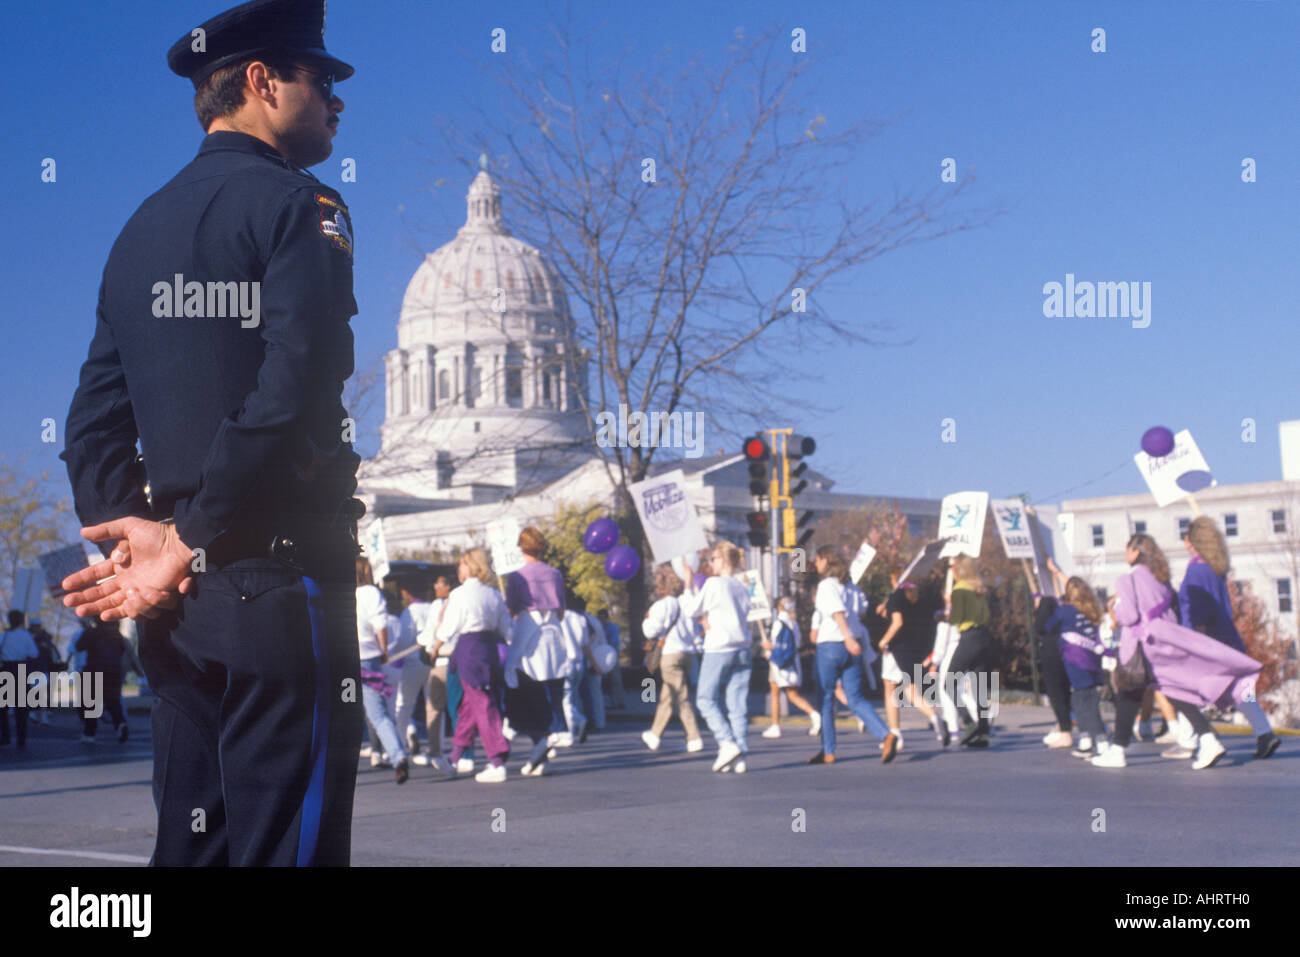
<point x="601" y="536"/>
<point x="1157" y="442"/>
<point x="622" y="563"/>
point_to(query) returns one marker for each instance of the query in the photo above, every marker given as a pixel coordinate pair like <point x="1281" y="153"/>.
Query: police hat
<point x="295" y="27"/>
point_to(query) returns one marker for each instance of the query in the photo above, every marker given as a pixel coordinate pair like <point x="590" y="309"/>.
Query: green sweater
<point x="969" y="609"/>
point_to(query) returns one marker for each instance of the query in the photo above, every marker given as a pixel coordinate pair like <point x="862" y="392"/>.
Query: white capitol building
<point x="485" y="400"/>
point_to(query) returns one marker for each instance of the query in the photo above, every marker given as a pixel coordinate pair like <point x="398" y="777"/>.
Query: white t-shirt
<point x="474" y="606"/>
<point x="682" y="637"/>
<point x="539" y="647"/>
<point x="414" y="619"/>
<point x="725" y="600"/>
<point x="831" y="599"/>
<point x="372" y="615"/>
<point x="426" y="637"/>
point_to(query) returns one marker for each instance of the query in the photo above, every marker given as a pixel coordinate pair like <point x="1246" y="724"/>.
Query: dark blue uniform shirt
<point x="226" y="402"/>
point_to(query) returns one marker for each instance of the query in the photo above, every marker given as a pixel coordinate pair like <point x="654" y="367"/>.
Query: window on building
<point x="475" y="383"/>
<point x="1098" y="537"/>
<point x="1139" y="528"/>
<point x="546" y="387"/>
<point x="1183" y="523"/>
<point x="477" y="426"/>
<point x="444" y="384"/>
<point x="1284" y="596"/>
<point x="514" y="386"/>
<point x="1230" y="526"/>
<point x="1278" y="515"/>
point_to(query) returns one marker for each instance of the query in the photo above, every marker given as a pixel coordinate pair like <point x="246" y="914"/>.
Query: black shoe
<point x="822" y="757"/>
<point x="1266" y="744"/>
<point x="971" y="733"/>
<point x="945" y="736"/>
<point x="979" y="741"/>
<point x="123" y="732"/>
<point x="582" y="738"/>
<point x="402" y="771"/>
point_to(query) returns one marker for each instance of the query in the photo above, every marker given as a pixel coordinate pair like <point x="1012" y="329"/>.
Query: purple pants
<point x="478" y="715"/>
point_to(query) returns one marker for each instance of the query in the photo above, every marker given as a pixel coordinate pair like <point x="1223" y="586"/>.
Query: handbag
<point x="654" y="651"/>
<point x="1135" y="674"/>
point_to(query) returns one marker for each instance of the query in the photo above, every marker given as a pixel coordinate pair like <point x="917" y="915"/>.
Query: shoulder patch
<point x="335" y="223"/>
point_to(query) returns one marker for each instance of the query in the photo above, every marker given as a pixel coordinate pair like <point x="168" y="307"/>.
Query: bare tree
<point x="696" y="215"/>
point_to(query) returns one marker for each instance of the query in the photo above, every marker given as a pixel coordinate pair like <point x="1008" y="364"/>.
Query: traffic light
<point x="796" y="530"/>
<point x="758" y="455"/>
<point x="760" y="532"/>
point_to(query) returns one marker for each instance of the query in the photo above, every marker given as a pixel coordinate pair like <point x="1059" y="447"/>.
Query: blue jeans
<point x="729" y="672"/>
<point x="593" y="700"/>
<point x="380" y="721"/>
<point x="835" y="664"/>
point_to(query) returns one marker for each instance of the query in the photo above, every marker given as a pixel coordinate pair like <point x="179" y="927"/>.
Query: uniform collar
<point x="240" y="143"/>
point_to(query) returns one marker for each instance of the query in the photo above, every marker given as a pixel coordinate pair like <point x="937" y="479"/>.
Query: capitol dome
<point x="484" y="386"/>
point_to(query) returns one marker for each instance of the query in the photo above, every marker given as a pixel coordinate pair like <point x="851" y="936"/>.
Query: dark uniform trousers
<point x="257" y="676"/>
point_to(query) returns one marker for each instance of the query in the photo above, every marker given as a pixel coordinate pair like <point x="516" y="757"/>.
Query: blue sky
<point x="1115" y="166"/>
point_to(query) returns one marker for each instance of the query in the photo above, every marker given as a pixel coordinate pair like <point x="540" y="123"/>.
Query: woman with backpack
<point x="839" y="656"/>
<point x="673" y="639"/>
<point x="785" y="672"/>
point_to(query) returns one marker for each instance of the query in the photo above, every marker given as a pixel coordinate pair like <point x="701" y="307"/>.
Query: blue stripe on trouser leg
<point x="314" y="799"/>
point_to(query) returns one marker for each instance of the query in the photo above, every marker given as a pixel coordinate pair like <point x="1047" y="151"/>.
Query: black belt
<point x="303" y="541"/>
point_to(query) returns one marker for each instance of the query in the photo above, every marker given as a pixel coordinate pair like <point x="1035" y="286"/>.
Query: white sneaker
<point x="695" y="744"/>
<point x="1059" y="739"/>
<point x="421" y="760"/>
<point x="378" y="760"/>
<point x="1085" y="742"/>
<point x="465" y="766"/>
<point x="773" y="731"/>
<point x="898" y="745"/>
<point x="507" y="732"/>
<point x="365" y="750"/>
<point x="552" y="754"/>
<point x="1047" y="738"/>
<point x="563" y="739"/>
<point x="1208" y="753"/>
<point x="492" y="774"/>
<point x="816" y="728"/>
<point x="443" y="766"/>
<point x="738" y="767"/>
<point x="1112" y="757"/>
<point x="651" y="740"/>
<point x="726" y="754"/>
<point x="533" y="770"/>
<point x="862" y="726"/>
<point x="1168" y="737"/>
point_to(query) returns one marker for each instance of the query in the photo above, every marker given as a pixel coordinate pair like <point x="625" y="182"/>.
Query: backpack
<point x="784" y="651"/>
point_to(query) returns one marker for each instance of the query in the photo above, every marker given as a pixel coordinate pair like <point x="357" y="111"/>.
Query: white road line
<point x="94" y="855"/>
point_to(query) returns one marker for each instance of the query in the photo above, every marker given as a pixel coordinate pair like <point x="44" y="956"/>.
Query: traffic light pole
<point x="778" y="498"/>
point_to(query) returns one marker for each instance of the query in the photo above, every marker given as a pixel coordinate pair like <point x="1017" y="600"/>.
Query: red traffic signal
<point x="756" y="449"/>
<point x="760" y="531"/>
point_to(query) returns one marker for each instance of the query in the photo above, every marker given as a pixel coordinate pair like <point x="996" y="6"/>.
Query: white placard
<point x="1173" y="477"/>
<point x="924" y="561"/>
<point x="1054" y="534"/>
<point x="376" y="549"/>
<point x="28" y="588"/>
<point x="961" y="523"/>
<point x="860" y="561"/>
<point x="1013" y="527"/>
<point x="668" y="516"/>
<point x="760" y="609"/>
<point x="60" y="563"/>
<point x="503" y="543"/>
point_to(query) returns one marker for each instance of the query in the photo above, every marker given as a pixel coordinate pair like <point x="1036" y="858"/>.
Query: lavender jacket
<point x="1187" y="665"/>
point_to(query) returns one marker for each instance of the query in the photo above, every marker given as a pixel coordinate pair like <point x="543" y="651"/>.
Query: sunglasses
<point x="324" y="82"/>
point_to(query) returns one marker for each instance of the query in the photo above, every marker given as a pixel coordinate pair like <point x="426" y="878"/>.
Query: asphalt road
<point x="612" y="802"/>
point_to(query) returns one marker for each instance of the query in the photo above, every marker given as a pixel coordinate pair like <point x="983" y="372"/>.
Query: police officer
<point x="221" y="345"/>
